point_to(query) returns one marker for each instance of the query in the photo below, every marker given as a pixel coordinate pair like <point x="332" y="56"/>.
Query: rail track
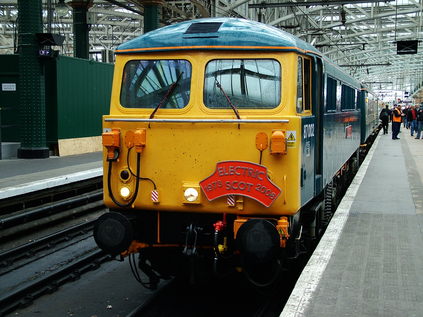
<point x="227" y="298"/>
<point x="25" y="214"/>
<point x="21" y="255"/>
<point x="61" y="219"/>
<point x="24" y="295"/>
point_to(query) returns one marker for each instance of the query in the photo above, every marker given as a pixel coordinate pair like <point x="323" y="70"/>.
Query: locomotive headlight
<point x="191" y="194"/>
<point x="125" y="192"/>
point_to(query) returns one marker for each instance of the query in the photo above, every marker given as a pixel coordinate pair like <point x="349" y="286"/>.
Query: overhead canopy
<point x="360" y="36"/>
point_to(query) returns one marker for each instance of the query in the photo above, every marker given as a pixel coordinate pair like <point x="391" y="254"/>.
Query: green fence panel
<point x="83" y="96"/>
<point x="77" y="95"/>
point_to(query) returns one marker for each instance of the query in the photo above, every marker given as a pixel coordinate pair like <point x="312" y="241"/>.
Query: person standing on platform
<point x="412" y="119"/>
<point x="396" y="122"/>
<point x="419" y="121"/>
<point x="405" y="117"/>
<point x="384" y="117"/>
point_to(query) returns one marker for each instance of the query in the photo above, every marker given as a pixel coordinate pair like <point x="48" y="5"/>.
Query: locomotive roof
<point x="216" y="34"/>
<point x="226" y="34"/>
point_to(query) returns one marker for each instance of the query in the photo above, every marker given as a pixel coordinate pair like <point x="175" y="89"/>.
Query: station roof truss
<point x="361" y="36"/>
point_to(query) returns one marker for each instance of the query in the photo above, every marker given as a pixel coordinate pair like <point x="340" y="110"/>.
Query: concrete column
<point x="81" y="44"/>
<point x="151" y="13"/>
<point x="32" y="107"/>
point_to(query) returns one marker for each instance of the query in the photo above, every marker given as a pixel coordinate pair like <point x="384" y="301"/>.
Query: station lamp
<point x="62" y="9"/>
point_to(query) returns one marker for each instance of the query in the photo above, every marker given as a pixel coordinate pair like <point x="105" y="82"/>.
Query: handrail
<point x="196" y="120"/>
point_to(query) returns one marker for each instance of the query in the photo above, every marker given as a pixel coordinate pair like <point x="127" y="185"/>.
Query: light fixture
<point x="125" y="192"/>
<point x="62" y="9"/>
<point x="191" y="194"/>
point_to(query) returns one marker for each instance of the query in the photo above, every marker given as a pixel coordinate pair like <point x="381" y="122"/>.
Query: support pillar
<point x="81" y="43"/>
<point x="32" y="107"/>
<point x="151" y="14"/>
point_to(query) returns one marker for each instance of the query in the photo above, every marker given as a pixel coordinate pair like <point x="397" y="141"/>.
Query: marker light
<point x="125" y="192"/>
<point x="278" y="143"/>
<point x="191" y="194"/>
<point x="111" y="140"/>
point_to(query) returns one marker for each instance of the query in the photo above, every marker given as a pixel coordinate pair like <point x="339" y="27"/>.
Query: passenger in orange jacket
<point x="396" y="122"/>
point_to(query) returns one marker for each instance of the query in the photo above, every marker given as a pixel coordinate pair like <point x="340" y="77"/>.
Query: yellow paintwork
<point x="182" y="153"/>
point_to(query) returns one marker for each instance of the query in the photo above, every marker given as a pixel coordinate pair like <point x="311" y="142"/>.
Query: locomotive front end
<point x="201" y="156"/>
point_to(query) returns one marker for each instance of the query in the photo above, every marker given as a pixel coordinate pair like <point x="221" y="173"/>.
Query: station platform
<point x="370" y="260"/>
<point x="21" y="176"/>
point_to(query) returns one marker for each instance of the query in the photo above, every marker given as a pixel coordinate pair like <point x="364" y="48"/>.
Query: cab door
<point x="308" y="127"/>
<point x="318" y="111"/>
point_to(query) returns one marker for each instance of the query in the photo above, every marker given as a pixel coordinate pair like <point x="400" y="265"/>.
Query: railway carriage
<point x="370" y="115"/>
<point x="226" y="142"/>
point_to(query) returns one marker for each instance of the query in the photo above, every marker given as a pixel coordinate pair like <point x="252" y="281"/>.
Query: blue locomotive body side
<point x="341" y="120"/>
<point x="334" y="131"/>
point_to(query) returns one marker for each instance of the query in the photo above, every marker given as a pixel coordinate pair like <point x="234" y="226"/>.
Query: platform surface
<point x="370" y="261"/>
<point x="19" y="176"/>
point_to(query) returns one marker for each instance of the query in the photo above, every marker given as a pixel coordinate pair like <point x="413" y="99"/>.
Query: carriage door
<point x="308" y="140"/>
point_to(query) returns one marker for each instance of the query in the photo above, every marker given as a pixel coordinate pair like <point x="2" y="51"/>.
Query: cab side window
<point x="304" y="85"/>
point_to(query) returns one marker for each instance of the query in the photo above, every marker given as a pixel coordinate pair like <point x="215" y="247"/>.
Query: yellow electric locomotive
<point x="223" y="137"/>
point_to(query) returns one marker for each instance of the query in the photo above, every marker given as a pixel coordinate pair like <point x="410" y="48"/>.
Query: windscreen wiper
<point x="166" y="97"/>
<point x="227" y="98"/>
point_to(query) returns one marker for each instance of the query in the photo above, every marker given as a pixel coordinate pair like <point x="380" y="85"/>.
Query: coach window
<point x="304" y="85"/>
<point x="348" y="98"/>
<point x="147" y="83"/>
<point x="246" y="83"/>
<point x="331" y="95"/>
